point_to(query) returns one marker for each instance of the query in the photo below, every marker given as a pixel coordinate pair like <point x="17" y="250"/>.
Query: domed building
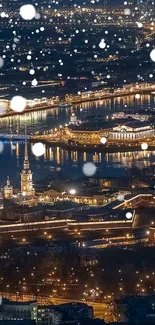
<point x="74" y="120"/>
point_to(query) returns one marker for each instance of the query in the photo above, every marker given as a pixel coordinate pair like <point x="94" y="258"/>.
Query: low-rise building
<point x="18" y="310"/>
<point x="82" y="197"/>
<point x="131" y="132"/>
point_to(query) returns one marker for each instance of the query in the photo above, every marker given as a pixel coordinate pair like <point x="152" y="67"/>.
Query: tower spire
<point x="26" y="159"/>
<point x="26" y="174"/>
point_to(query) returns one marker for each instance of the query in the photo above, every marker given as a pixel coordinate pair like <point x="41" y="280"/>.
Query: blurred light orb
<point x="32" y="71"/>
<point x="89" y="169"/>
<point x="3" y="108"/>
<point x="137" y="96"/>
<point x="128" y="215"/>
<point x="144" y="146"/>
<point x="140" y="25"/>
<point x="27" y="12"/>
<point x="1" y="147"/>
<point x="38" y="149"/>
<point x="1" y="62"/>
<point x="127" y="12"/>
<point x="152" y="55"/>
<point x="103" y="140"/>
<point x="18" y="104"/>
<point x="37" y="15"/>
<point x="120" y="197"/>
<point x="34" y="82"/>
<point x="102" y="44"/>
<point x="72" y="191"/>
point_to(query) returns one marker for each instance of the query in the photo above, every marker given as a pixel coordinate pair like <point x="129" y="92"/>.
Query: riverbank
<point x="93" y="148"/>
<point x="79" y="101"/>
<point x="29" y="110"/>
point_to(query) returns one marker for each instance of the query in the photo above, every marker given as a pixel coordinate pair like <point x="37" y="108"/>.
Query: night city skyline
<point x="77" y="162"/>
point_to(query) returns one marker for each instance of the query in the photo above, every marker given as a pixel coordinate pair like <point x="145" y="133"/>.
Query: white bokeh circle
<point x="144" y="146"/>
<point x="1" y="147"/>
<point x="120" y="197"/>
<point x="38" y="149"/>
<point x="103" y="140"/>
<point x="18" y="104"/>
<point x="72" y="191"/>
<point x="1" y="62"/>
<point x="128" y="215"/>
<point x="89" y="169"/>
<point x="27" y="12"/>
<point x="152" y="55"/>
<point x="102" y="44"/>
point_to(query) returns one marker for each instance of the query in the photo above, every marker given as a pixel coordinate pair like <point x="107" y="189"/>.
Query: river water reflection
<point x="60" y="161"/>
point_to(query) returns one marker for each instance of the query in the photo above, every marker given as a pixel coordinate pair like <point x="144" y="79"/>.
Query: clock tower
<point x="27" y="188"/>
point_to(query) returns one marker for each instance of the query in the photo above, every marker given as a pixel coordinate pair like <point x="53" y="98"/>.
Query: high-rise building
<point x="8" y="189"/>
<point x="27" y="188"/>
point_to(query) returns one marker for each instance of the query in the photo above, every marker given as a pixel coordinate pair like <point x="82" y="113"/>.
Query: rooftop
<point x="101" y="123"/>
<point x="105" y="214"/>
<point x="64" y="205"/>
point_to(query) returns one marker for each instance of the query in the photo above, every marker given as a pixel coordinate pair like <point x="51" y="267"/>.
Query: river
<point x="59" y="162"/>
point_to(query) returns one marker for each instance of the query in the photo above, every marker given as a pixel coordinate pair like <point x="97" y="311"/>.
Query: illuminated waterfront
<point x="47" y="119"/>
<point x="55" y="159"/>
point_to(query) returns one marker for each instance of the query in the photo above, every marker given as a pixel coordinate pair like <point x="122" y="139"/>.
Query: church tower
<point x="8" y="190"/>
<point x="27" y="188"/>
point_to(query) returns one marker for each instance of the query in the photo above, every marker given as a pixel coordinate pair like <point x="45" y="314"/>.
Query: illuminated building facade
<point x="121" y="132"/>
<point x="8" y="190"/>
<point x="83" y="136"/>
<point x="90" y="199"/>
<point x="125" y="132"/>
<point x="27" y="188"/>
<point x="18" y="310"/>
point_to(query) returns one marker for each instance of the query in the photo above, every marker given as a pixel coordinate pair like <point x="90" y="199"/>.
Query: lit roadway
<point x="107" y="237"/>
